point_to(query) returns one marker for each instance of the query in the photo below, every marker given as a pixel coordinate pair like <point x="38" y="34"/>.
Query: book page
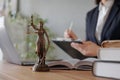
<point x="85" y="64"/>
<point x="73" y="61"/>
<point x="111" y="54"/>
<point x="111" y="69"/>
<point x="63" y="64"/>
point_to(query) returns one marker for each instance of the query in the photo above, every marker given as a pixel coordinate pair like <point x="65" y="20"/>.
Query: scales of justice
<point x="41" y="47"/>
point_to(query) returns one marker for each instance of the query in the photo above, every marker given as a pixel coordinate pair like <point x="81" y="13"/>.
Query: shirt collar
<point x="108" y="4"/>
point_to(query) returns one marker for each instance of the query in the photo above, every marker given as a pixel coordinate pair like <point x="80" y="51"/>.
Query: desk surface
<point x="15" y="72"/>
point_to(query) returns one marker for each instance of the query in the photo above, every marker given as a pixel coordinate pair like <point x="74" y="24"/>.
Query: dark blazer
<point x="111" y="29"/>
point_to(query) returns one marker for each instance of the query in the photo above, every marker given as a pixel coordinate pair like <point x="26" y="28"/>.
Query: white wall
<point x="1" y="55"/>
<point x="1" y="4"/>
<point x="60" y="13"/>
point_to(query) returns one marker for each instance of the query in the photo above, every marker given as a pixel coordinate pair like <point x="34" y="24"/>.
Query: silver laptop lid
<point x="9" y="52"/>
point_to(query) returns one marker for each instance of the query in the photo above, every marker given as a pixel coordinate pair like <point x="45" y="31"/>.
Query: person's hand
<point x="70" y="34"/>
<point x="87" y="48"/>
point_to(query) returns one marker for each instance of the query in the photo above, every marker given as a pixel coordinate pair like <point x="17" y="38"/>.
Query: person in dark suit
<point x="102" y="23"/>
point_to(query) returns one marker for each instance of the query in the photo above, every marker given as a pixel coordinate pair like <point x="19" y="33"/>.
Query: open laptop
<point x="10" y="54"/>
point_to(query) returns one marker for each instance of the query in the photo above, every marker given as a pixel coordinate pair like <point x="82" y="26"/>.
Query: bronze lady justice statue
<point x="41" y="48"/>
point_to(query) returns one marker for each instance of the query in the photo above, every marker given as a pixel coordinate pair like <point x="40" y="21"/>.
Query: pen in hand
<point x="71" y="25"/>
<point x="69" y="31"/>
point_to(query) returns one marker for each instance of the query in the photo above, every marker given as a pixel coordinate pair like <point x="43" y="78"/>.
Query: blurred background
<point x="57" y="14"/>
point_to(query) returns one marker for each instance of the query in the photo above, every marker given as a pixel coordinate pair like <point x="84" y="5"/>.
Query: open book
<point x="76" y="64"/>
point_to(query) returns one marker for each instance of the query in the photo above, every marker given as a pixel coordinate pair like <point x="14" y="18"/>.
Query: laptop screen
<point x="13" y="43"/>
<point x="9" y="52"/>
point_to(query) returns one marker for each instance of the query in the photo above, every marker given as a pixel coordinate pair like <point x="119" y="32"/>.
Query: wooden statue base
<point x="40" y="68"/>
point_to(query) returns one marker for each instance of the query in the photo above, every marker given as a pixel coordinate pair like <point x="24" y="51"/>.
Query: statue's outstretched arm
<point x="32" y="24"/>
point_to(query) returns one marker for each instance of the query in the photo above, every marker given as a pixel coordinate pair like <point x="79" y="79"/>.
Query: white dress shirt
<point x="104" y="10"/>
